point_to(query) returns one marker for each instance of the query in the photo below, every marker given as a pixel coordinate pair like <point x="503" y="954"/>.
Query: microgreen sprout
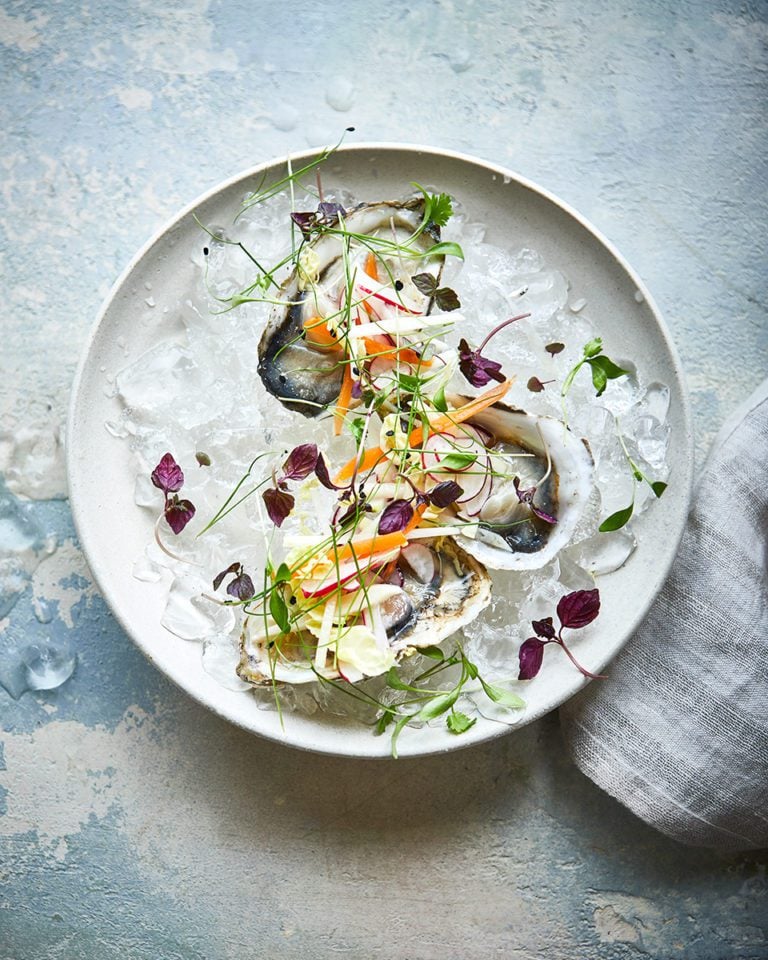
<point x="601" y="367"/>
<point x="240" y="587"/>
<point x="301" y="461"/>
<point x="480" y="370"/>
<point x="169" y="477"/>
<point x="618" y="519"/>
<point x="574" y="611"/>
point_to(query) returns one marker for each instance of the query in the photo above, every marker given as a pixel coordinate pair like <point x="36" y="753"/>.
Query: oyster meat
<point x="546" y="466"/>
<point x="303" y="370"/>
<point x="436" y="588"/>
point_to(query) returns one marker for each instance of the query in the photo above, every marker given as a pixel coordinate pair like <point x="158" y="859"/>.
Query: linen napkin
<point x="678" y="732"/>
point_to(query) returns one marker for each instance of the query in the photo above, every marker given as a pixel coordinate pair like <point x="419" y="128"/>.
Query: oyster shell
<point x="443" y="588"/>
<point x="299" y="375"/>
<point x="544" y="454"/>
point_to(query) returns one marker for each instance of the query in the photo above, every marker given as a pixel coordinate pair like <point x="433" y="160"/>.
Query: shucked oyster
<point x="439" y="588"/>
<point x="554" y="472"/>
<point x="299" y="366"/>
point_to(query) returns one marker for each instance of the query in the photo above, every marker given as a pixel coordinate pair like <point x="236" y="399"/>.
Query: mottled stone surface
<point x="135" y="824"/>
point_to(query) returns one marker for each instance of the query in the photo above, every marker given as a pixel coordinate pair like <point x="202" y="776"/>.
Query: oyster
<point x="553" y="470"/>
<point x="299" y="369"/>
<point x="439" y="588"/>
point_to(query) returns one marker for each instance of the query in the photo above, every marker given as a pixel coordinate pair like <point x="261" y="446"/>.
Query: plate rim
<point x="684" y="481"/>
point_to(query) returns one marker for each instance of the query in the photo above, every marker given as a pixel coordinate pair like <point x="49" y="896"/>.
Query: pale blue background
<point x="138" y="825"/>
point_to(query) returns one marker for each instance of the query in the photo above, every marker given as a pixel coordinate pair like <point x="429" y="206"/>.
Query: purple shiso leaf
<point x="301" y="462"/>
<point x="304" y="221"/>
<point x="178" y="513"/>
<point x="531" y="655"/>
<point x="445" y="493"/>
<point x="168" y="475"/>
<point x="329" y="212"/>
<point x="219" y="578"/>
<point x="395" y="516"/>
<point x="476" y="368"/>
<point x="544" y="628"/>
<point x="279" y="504"/>
<point x="577" y="609"/>
<point x="321" y="472"/>
<point x="526" y="497"/>
<point x="241" y="587"/>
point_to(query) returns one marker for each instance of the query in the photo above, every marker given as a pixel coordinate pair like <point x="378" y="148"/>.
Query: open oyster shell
<point x="443" y="589"/>
<point x="308" y="379"/>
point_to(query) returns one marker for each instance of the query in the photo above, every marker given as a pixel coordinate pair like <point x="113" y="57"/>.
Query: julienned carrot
<point x="374" y="349"/>
<point x="370" y="266"/>
<point x="344" y="397"/>
<point x="369" y="459"/>
<point x="447" y="420"/>
<point x="318" y="334"/>
<point x="360" y="549"/>
<point x="415" y="520"/>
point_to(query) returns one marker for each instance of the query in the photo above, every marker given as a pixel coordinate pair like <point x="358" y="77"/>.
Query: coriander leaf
<point x="356" y="427"/>
<point x="604" y="370"/>
<point x="617" y="520"/>
<point x="383" y="722"/>
<point x="504" y="697"/>
<point x="599" y="379"/>
<point x="279" y="610"/>
<point x="283" y="574"/>
<point x="658" y="487"/>
<point x="440" y="208"/>
<point x="458" y="722"/>
<point x="437" y="705"/>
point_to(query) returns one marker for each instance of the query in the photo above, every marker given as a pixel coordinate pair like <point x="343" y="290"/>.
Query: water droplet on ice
<point x="284" y="118"/>
<point x="578" y="305"/>
<point x="340" y="94"/>
<point x="639" y="296"/>
<point x="150" y="301"/>
<point x="48" y="666"/>
<point x="460" y="60"/>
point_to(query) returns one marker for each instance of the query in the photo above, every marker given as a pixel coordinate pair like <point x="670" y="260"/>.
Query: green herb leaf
<point x="283" y="574"/>
<point x="599" y="379"/>
<point x="458" y="722"/>
<point x="470" y="668"/>
<point x="394" y="681"/>
<point x="445" y="249"/>
<point x="447" y="300"/>
<point x="439" y="704"/>
<point x="409" y="383"/>
<point x="457" y="461"/>
<point x="617" y="520"/>
<point x="279" y="610"/>
<point x="504" y="697"/>
<point x="396" y="732"/>
<point x="434" y="653"/>
<point x="440" y="208"/>
<point x="658" y="487"/>
<point x="425" y="283"/>
<point x="357" y="427"/>
<point x="592" y="348"/>
<point x="439" y="400"/>
<point x="383" y="722"/>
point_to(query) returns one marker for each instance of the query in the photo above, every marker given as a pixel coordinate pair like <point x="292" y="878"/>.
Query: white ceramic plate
<point x="114" y="532"/>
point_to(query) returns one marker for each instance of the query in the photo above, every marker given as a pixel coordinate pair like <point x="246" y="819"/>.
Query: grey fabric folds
<point x="679" y="730"/>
